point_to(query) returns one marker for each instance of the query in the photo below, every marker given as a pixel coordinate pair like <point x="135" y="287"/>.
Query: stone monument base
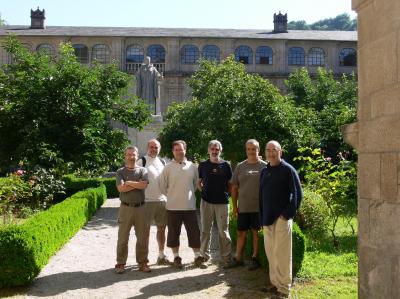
<point x="140" y="138"/>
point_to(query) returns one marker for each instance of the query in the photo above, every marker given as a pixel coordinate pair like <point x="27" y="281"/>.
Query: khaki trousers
<point x="278" y="248"/>
<point x="207" y="213"/>
<point x="128" y="217"/>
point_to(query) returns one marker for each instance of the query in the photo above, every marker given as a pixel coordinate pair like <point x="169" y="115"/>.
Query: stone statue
<point x="147" y="85"/>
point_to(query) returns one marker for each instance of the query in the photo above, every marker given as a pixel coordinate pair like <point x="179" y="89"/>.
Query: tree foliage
<point x="331" y="102"/>
<point x="341" y="22"/>
<point x="57" y="112"/>
<point x="232" y="106"/>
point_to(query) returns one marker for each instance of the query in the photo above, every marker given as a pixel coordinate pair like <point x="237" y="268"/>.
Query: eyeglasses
<point x="272" y="150"/>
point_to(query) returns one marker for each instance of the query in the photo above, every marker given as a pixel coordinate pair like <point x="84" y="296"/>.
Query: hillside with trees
<point x="341" y="22"/>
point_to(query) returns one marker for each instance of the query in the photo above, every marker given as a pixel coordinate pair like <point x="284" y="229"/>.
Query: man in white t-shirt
<point x="155" y="201"/>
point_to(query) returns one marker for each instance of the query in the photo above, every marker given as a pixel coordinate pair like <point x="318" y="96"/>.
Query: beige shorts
<point x="156" y="213"/>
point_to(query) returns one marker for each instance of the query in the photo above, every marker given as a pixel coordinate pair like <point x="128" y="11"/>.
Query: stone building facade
<point x="273" y="54"/>
<point x="376" y="136"/>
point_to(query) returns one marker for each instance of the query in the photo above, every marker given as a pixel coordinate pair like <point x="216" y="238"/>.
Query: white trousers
<point x="278" y="248"/>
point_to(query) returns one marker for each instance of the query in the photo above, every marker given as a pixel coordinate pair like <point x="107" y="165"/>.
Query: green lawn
<point x="329" y="272"/>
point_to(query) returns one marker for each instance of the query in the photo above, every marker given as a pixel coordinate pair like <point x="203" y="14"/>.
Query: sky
<point x="235" y="14"/>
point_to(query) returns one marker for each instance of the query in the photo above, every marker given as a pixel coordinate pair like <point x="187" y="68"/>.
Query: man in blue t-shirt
<point x="214" y="176"/>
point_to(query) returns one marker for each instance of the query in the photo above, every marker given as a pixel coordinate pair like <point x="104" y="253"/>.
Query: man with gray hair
<point x="213" y="182"/>
<point x="131" y="182"/>
<point x="245" y="190"/>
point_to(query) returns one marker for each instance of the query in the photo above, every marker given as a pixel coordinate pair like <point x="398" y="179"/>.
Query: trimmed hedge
<point x="74" y="184"/>
<point x="25" y="249"/>
<point x="298" y="245"/>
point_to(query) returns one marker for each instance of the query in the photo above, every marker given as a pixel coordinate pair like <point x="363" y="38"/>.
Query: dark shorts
<point x="189" y="219"/>
<point x="246" y="221"/>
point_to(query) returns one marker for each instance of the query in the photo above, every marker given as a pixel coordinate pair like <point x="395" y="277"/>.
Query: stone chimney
<point x="37" y="19"/>
<point x="280" y="23"/>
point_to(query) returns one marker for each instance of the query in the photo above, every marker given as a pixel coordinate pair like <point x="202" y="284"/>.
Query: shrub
<point x="298" y="246"/>
<point x="74" y="184"/>
<point x="25" y="249"/>
<point x="313" y="214"/>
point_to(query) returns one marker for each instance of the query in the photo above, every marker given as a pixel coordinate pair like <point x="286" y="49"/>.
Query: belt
<point x="133" y="205"/>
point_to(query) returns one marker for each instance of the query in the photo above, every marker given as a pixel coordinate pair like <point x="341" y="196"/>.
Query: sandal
<point x="144" y="268"/>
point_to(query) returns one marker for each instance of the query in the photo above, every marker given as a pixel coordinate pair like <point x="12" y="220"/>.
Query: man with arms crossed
<point x="131" y="182"/>
<point x="155" y="201"/>
<point x="178" y="182"/>
<point x="245" y="188"/>
<point x="280" y="197"/>
<point x="214" y="176"/>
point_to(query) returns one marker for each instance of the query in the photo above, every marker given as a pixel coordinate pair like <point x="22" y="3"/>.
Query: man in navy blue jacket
<point x="280" y="197"/>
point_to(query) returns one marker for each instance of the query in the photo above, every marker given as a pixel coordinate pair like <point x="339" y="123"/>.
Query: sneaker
<point x="163" y="261"/>
<point x="254" y="264"/>
<point x="119" y="268"/>
<point x="143" y="267"/>
<point x="234" y="263"/>
<point x="178" y="262"/>
<point x="199" y="262"/>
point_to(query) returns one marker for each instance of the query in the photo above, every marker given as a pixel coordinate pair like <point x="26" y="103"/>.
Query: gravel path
<point x="84" y="268"/>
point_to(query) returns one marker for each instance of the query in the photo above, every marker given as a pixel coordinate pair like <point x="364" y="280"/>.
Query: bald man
<point x="280" y="197"/>
<point x="155" y="201"/>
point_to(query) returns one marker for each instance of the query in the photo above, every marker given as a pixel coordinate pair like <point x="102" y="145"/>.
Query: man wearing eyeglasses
<point x="280" y="197"/>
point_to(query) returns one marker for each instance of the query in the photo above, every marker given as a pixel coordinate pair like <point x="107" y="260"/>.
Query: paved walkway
<point x="83" y="268"/>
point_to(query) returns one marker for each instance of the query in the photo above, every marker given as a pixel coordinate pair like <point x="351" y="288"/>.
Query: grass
<point x="329" y="271"/>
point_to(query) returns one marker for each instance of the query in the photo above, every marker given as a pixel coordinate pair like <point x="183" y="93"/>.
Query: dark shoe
<point x="119" y="268"/>
<point x="178" y="262"/>
<point x="269" y="289"/>
<point x="199" y="262"/>
<point x="143" y="267"/>
<point x="280" y="295"/>
<point x="254" y="264"/>
<point x="163" y="261"/>
<point x="233" y="264"/>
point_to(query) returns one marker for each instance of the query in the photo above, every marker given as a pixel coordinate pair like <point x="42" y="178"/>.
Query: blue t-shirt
<point x="215" y="177"/>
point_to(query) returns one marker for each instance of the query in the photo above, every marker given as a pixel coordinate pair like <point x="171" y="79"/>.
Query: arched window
<point x="296" y="56"/>
<point x="244" y="54"/>
<point x="316" y="56"/>
<point x="81" y="53"/>
<point x="264" y="55"/>
<point x="101" y="53"/>
<point x="348" y="57"/>
<point x="189" y="54"/>
<point x="45" y="49"/>
<point x="211" y="52"/>
<point x="134" y="53"/>
<point x="156" y="53"/>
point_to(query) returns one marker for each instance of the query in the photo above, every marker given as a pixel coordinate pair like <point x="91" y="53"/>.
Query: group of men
<point x="264" y="195"/>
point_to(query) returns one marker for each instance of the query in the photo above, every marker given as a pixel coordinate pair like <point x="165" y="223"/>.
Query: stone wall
<point x="376" y="136"/>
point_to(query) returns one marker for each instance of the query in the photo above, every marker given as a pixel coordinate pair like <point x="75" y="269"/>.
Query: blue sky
<point x="250" y="14"/>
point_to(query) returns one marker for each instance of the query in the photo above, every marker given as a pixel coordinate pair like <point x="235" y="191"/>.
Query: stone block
<point x="369" y="176"/>
<point x="380" y="135"/>
<point x="384" y="231"/>
<point x="389" y="182"/>
<point x="386" y="102"/>
<point x="363" y="221"/>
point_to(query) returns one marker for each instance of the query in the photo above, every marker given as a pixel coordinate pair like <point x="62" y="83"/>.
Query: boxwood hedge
<point x="74" y="184"/>
<point x="26" y="248"/>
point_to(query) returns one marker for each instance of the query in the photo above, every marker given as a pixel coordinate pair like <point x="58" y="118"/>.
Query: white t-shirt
<point x="154" y="168"/>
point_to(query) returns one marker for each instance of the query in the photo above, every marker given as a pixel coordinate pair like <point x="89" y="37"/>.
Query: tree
<point x="340" y="22"/>
<point x="232" y="106"/>
<point x="332" y="103"/>
<point x="57" y="112"/>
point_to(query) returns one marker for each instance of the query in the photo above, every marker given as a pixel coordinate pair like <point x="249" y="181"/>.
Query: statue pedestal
<point x="140" y="138"/>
